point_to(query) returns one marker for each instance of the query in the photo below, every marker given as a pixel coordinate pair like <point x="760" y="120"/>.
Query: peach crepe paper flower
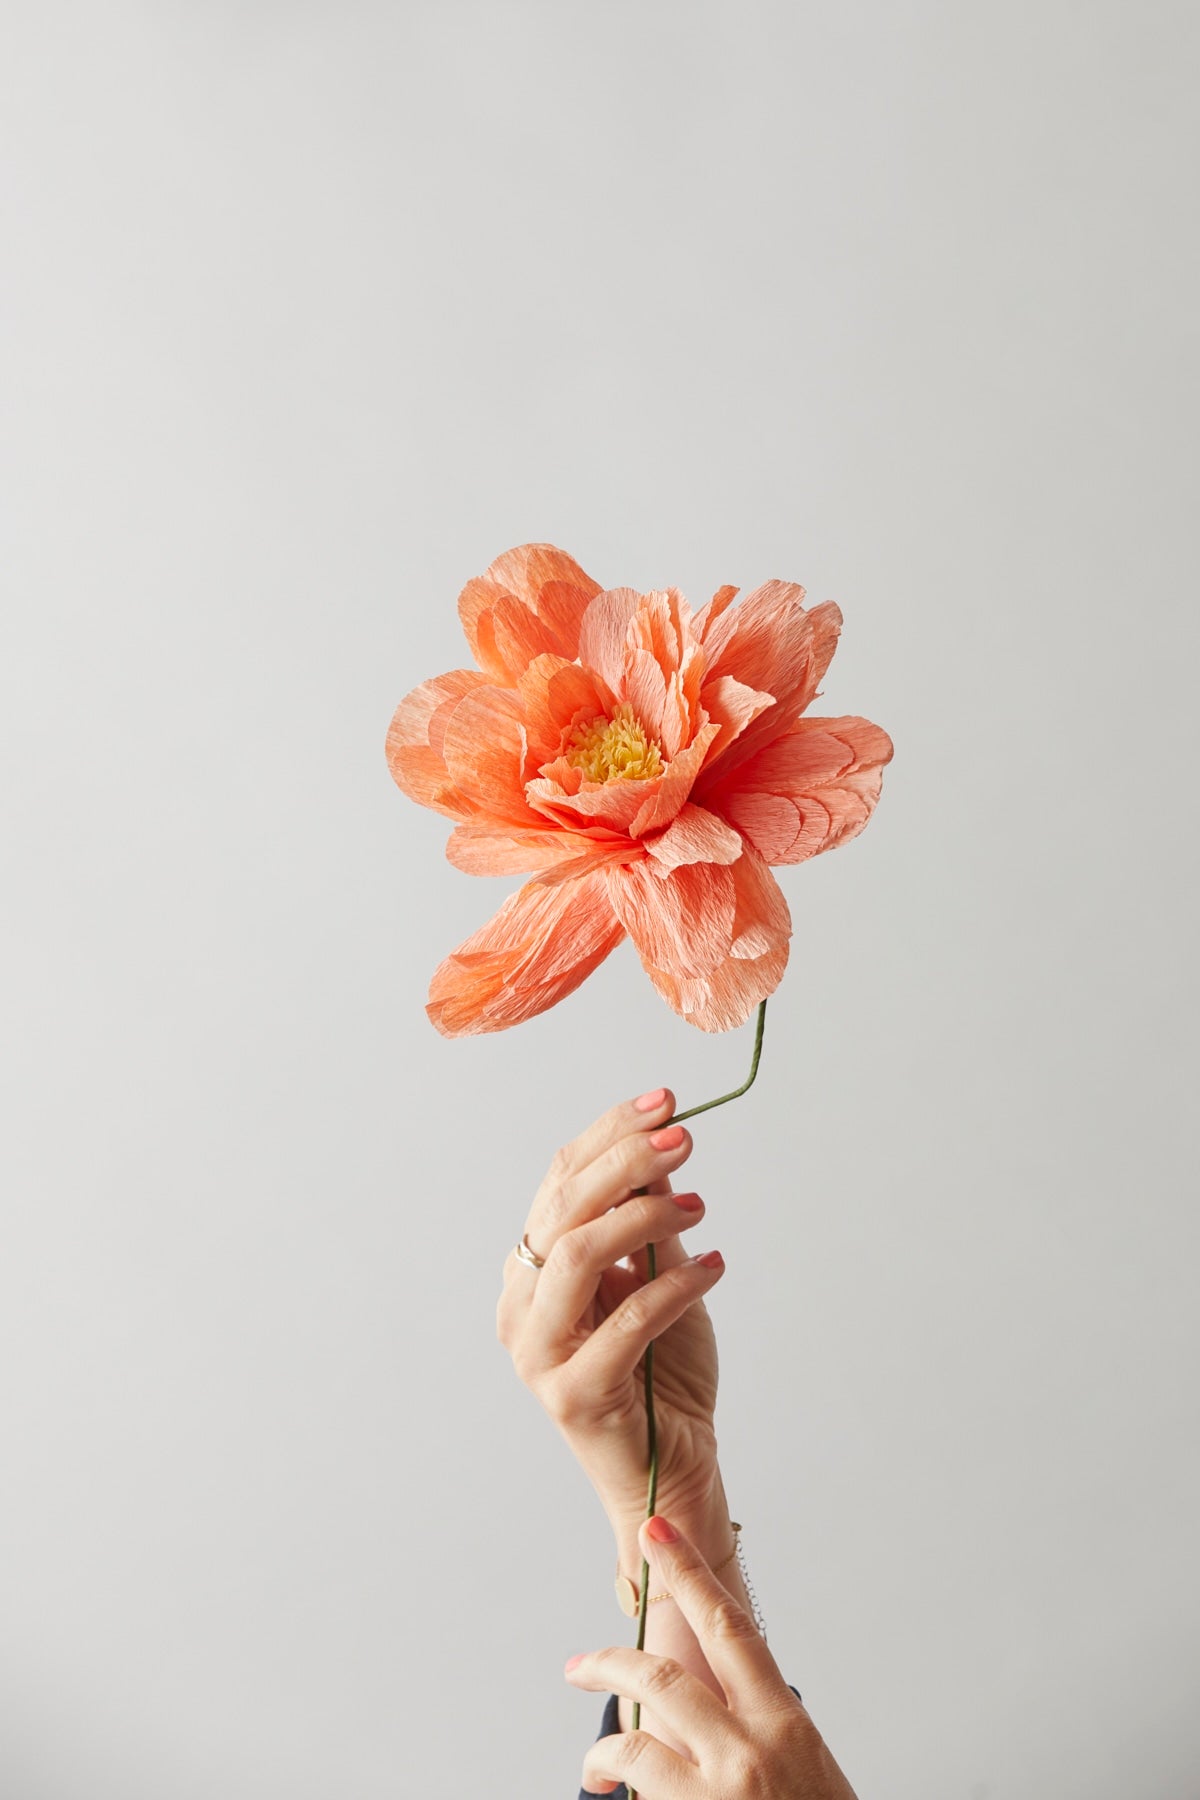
<point x="646" y="765"/>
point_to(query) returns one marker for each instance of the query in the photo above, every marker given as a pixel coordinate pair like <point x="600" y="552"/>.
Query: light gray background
<point x="311" y="310"/>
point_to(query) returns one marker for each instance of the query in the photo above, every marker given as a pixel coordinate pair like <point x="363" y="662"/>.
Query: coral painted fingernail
<point x="572" y="1662"/>
<point x="650" y="1102"/>
<point x="661" y="1530"/>
<point x="688" y="1202"/>
<point x="669" y="1138"/>
<point x="712" y="1259"/>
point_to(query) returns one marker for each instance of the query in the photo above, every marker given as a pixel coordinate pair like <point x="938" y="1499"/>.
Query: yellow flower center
<point x="615" y="749"/>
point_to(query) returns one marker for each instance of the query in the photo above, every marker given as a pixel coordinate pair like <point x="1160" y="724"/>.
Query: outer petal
<point x="487" y="850"/>
<point x="415" y="741"/>
<point x="552" y="583"/>
<point x="528" y="603"/>
<point x="714" y="941"/>
<point x="484" y="747"/>
<point x="812" y="789"/>
<point x="541" y="945"/>
<point x="679" y="919"/>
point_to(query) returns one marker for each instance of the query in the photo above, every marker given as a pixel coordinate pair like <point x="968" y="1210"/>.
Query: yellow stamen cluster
<point x="615" y="749"/>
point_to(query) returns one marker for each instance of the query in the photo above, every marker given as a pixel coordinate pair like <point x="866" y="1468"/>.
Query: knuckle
<point x="633" y="1155"/>
<point x="751" y="1778"/>
<point x="565" y="1400"/>
<point x="571" y="1253"/>
<point x="632" y="1317"/>
<point x="636" y="1745"/>
<point x="558" y="1202"/>
<point x="728" y="1622"/>
<point x="560" y="1165"/>
<point x="661" y="1677"/>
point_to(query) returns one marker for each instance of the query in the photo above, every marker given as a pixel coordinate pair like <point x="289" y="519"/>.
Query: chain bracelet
<point x="755" y="1608"/>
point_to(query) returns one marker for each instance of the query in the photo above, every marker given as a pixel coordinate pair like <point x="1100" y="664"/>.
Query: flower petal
<point x="602" y="635"/>
<point x="734" y="706"/>
<point x="679" y="919"/>
<point x="415" y="739"/>
<point x="528" y="602"/>
<point x="667" y="793"/>
<point x="708" y="615"/>
<point x="611" y="804"/>
<point x="488" y="850"/>
<point x="485" y="749"/>
<point x="694" y="836"/>
<point x="555" y="694"/>
<point x="812" y="789"/>
<point x="772" y="644"/>
<point x="552" y="583"/>
<point x="545" y="940"/>
<point x="714" y="941"/>
<point x="725" y="997"/>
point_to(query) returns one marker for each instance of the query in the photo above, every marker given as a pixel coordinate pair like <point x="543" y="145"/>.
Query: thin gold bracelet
<point x="629" y="1594"/>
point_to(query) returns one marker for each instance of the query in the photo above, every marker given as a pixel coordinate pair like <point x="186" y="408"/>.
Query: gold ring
<point x="529" y="1257"/>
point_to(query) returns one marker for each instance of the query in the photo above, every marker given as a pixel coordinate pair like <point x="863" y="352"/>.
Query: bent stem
<point x="651" y="1272"/>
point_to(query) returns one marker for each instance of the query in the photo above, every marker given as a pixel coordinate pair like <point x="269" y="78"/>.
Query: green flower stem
<point x="651" y="1273"/>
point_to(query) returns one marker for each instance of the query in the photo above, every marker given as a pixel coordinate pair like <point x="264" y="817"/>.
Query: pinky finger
<point x="612" y="1353"/>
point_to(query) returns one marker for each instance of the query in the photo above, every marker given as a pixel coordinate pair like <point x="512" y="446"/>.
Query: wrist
<point x="700" y="1510"/>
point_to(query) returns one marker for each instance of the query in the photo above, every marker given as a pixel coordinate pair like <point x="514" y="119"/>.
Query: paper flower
<point x="646" y="765"/>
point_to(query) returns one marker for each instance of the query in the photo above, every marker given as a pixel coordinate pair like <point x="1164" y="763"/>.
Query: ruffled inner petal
<point x="612" y="804"/>
<point x="694" y="836"/>
<point x="666" y="795"/>
<point x="772" y="644"/>
<point x="734" y="706"/>
<point x="556" y="695"/>
<point x="602" y="635"/>
<point x="645" y="688"/>
<point x="708" y="615"/>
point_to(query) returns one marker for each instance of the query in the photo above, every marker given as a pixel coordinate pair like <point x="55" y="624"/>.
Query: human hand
<point x="758" y="1740"/>
<point x="577" y="1329"/>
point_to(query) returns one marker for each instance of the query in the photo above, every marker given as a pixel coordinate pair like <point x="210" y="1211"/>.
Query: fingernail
<point x="572" y="1662"/>
<point x="650" y="1102"/>
<point x="712" y="1259"/>
<point x="661" y="1530"/>
<point x="669" y="1138"/>
<point x="688" y="1202"/>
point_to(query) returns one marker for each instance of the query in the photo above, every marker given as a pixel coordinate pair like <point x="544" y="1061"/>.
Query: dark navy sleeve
<point x="610" y="1724"/>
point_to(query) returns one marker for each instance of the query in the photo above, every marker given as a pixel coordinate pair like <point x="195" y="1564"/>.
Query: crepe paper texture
<point x="646" y="766"/>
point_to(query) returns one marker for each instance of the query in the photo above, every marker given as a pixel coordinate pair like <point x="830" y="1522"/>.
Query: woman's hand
<point x="578" y="1328"/>
<point x="758" y="1740"/>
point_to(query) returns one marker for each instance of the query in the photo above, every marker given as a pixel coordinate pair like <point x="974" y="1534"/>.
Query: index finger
<point x="733" y="1646"/>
